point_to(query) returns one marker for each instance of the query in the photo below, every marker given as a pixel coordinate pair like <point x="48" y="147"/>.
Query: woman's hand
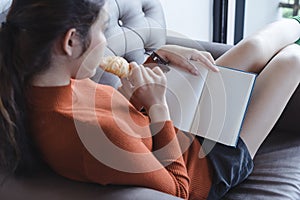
<point x="181" y="57"/>
<point x="147" y="88"/>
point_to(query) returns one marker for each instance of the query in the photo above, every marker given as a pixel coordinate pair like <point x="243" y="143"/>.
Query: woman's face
<point x="89" y="61"/>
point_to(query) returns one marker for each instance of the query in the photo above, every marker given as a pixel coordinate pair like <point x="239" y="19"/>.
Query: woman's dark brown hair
<point x="26" y="42"/>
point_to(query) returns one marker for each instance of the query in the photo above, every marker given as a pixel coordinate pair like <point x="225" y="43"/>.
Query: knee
<point x="258" y="48"/>
<point x="255" y="42"/>
<point x="289" y="59"/>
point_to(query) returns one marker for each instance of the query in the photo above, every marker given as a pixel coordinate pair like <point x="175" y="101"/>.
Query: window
<point x="289" y="8"/>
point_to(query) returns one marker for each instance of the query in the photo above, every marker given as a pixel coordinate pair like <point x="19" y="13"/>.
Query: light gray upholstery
<point x="134" y="29"/>
<point x="4" y="5"/>
<point x="141" y="28"/>
<point x="2" y="16"/>
<point x="136" y="26"/>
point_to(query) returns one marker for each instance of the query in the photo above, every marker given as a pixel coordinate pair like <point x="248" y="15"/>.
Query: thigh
<point x="254" y="52"/>
<point x="273" y="88"/>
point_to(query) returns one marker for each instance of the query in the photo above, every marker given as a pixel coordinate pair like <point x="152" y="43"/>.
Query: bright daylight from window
<point x="289" y="8"/>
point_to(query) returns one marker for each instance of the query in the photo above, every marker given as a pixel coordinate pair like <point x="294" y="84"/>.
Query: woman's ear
<point x="70" y="42"/>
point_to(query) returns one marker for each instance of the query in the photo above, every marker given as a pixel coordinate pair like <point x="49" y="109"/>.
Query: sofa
<point x="136" y="28"/>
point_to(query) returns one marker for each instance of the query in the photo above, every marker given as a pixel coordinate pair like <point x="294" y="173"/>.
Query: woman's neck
<point x="54" y="76"/>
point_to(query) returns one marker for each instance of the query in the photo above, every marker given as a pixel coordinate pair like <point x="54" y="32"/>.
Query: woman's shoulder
<point x="88" y="89"/>
<point x="88" y="84"/>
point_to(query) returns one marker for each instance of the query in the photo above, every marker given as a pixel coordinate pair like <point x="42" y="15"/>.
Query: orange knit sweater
<point x="89" y="132"/>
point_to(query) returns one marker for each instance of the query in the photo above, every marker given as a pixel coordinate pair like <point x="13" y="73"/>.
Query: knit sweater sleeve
<point x="106" y="141"/>
<point x="162" y="169"/>
<point x="168" y="152"/>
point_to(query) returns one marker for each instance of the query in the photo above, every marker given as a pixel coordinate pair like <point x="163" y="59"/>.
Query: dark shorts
<point x="232" y="165"/>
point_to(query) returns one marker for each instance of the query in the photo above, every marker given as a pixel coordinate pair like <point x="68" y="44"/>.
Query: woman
<point x="92" y="133"/>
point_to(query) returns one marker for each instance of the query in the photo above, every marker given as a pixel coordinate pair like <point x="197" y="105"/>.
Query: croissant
<point x="116" y="65"/>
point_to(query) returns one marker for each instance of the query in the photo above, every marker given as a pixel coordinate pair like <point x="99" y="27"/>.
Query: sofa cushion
<point x="276" y="173"/>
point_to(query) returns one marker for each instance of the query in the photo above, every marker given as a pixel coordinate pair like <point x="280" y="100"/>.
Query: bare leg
<point x="253" y="53"/>
<point x="267" y="53"/>
<point x="273" y="89"/>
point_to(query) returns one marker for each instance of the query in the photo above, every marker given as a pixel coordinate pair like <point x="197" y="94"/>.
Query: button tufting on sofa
<point x="120" y="22"/>
<point x="134" y="29"/>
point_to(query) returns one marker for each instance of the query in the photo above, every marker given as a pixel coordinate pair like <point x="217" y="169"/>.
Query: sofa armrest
<point x="216" y="49"/>
<point x="46" y="184"/>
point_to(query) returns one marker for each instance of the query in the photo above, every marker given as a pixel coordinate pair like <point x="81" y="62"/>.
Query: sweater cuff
<point x="163" y="133"/>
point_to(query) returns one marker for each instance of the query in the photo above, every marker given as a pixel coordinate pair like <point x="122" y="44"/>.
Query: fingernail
<point x="196" y="72"/>
<point x="216" y="68"/>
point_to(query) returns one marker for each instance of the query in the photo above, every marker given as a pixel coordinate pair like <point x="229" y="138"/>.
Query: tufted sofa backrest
<point x="136" y="26"/>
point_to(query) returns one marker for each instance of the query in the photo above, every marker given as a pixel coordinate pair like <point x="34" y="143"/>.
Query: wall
<point x="193" y="18"/>
<point x="258" y="13"/>
<point x="189" y="18"/>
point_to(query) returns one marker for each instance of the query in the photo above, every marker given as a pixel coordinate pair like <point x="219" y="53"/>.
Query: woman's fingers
<point x="141" y="75"/>
<point x="147" y="74"/>
<point x="181" y="61"/>
<point x="126" y="84"/>
<point x="203" y="54"/>
<point x="148" y="87"/>
<point x="126" y="89"/>
<point x="206" y="59"/>
<point x="182" y="56"/>
<point x="158" y="71"/>
<point x="136" y="76"/>
<point x="202" y="57"/>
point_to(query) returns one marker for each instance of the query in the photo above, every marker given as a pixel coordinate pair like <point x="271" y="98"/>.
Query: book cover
<point x="211" y="105"/>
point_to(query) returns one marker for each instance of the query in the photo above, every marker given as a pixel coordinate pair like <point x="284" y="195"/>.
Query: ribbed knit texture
<point x="77" y="138"/>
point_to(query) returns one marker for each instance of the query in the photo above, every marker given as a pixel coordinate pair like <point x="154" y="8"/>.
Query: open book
<point x="212" y="105"/>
